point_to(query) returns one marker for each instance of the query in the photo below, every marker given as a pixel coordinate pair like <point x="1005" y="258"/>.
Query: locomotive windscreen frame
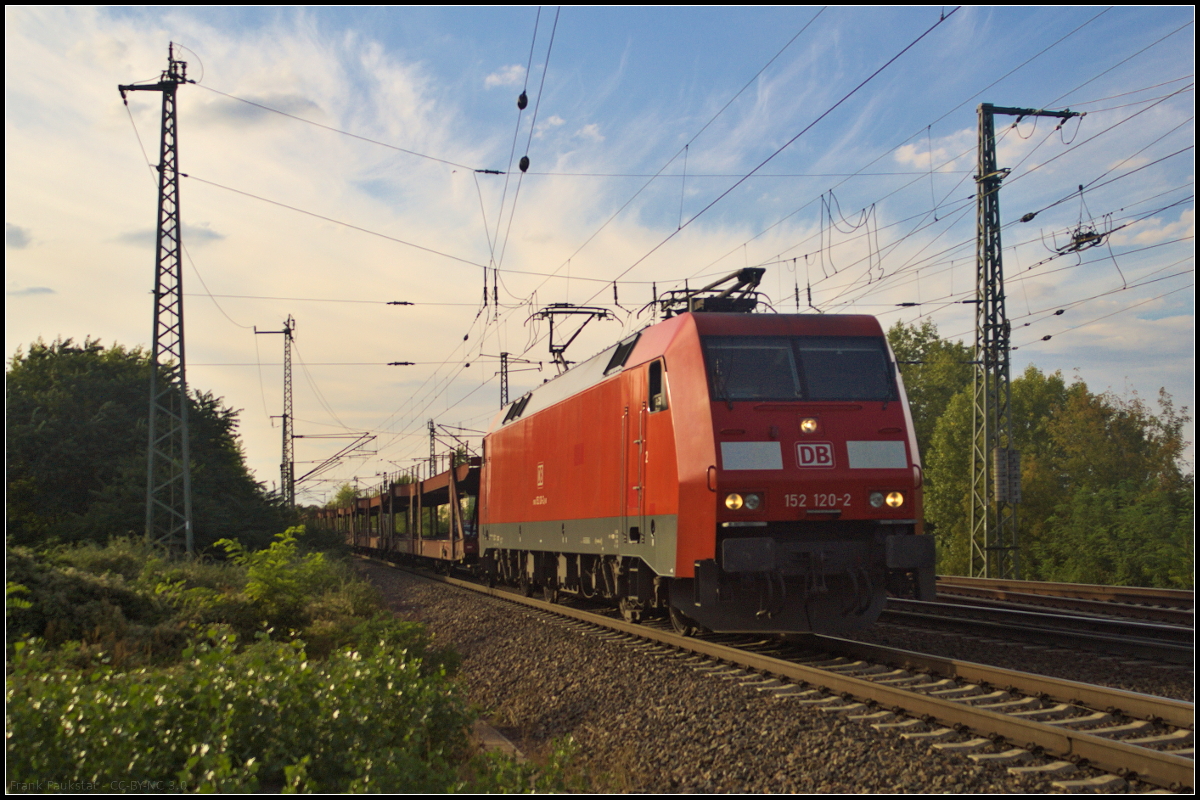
<point x="793" y="368"/>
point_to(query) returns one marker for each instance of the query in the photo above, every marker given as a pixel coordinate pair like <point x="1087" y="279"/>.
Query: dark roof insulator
<point x="522" y="101"/>
<point x="523" y="163"/>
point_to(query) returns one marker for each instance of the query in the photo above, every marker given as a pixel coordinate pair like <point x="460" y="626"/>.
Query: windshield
<point x="783" y="368"/>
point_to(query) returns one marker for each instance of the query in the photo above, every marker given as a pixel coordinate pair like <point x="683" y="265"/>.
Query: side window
<point x="658" y="390"/>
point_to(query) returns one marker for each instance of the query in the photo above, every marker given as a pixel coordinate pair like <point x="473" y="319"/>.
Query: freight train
<point x="737" y="472"/>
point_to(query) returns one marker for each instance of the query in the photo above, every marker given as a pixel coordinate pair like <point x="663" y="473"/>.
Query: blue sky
<point x="870" y="206"/>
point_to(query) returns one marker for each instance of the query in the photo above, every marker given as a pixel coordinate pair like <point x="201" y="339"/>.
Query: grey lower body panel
<point x="651" y="538"/>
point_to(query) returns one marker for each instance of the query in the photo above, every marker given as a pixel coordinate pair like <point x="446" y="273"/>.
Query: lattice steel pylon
<point x="168" y="460"/>
<point x="287" y="466"/>
<point x="432" y="449"/>
<point x="503" y="379"/>
<point x="995" y="462"/>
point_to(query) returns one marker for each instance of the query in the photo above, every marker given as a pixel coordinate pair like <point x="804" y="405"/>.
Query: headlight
<point x="808" y="425"/>
<point x="895" y="499"/>
<point x="733" y="501"/>
<point x="876" y="499"/>
<point x="753" y="501"/>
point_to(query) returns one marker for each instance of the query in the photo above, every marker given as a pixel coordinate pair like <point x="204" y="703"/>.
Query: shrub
<point x="280" y="580"/>
<point x="66" y="604"/>
<point x="235" y="721"/>
<point x="151" y="681"/>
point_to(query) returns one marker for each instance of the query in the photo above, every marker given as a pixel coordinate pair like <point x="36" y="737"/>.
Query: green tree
<point x="934" y="371"/>
<point x="1120" y="535"/>
<point x="1103" y="497"/>
<point x="344" y="496"/>
<point x="77" y="430"/>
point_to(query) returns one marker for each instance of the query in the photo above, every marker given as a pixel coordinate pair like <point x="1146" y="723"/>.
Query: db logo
<point x="814" y="454"/>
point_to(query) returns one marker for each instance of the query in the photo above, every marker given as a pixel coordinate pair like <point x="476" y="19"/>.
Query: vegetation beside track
<point x="76" y="425"/>
<point x="1106" y="496"/>
<point x="275" y="670"/>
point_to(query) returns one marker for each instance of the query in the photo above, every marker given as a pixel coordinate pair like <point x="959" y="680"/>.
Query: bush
<point x="224" y="720"/>
<point x="100" y="612"/>
<point x="152" y="682"/>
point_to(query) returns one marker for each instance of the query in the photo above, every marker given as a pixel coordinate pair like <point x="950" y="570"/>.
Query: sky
<point x="333" y="165"/>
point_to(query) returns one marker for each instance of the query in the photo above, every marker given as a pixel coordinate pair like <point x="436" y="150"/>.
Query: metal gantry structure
<point x="995" y="462"/>
<point x="287" y="465"/>
<point x="168" y="460"/>
<point x="506" y="361"/>
<point x="503" y="379"/>
<point x="558" y="347"/>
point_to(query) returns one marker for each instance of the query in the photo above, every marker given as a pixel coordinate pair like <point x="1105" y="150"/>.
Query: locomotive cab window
<point x="780" y="368"/>
<point x="621" y="353"/>
<point x="658" y="389"/>
<point x="752" y="368"/>
<point x="846" y="368"/>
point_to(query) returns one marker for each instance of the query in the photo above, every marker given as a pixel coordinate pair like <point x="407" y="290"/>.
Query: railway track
<point x="991" y="714"/>
<point x="1172" y="644"/>
<point x="1170" y="606"/>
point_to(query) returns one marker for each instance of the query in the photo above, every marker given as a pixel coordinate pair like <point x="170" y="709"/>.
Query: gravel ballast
<point x="652" y="724"/>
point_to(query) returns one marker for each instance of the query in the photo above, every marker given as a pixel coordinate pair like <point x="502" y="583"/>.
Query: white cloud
<point x="512" y="75"/>
<point x="1155" y="230"/>
<point x="943" y="154"/>
<point x="590" y="132"/>
<point x="554" y="121"/>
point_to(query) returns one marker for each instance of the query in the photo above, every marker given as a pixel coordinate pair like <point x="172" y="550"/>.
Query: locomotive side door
<point x="633" y="459"/>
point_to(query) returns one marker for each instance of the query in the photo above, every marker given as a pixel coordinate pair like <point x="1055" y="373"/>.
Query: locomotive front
<point x="816" y="482"/>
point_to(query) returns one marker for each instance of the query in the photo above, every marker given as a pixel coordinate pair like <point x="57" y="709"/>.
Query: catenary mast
<point x="995" y="462"/>
<point x="168" y="461"/>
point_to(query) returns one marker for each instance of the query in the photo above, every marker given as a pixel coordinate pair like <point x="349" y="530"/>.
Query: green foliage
<point x="77" y="436"/>
<point x="367" y="705"/>
<point x="12" y="598"/>
<point x="279" y="579"/>
<point x="494" y="773"/>
<point x="498" y="774"/>
<point x="461" y="456"/>
<point x="99" y="612"/>
<point x="122" y="556"/>
<point x="1103" y="497"/>
<point x="1119" y="536"/>
<point x="936" y="371"/>
<point x="344" y="496"/>
<point x="267" y="716"/>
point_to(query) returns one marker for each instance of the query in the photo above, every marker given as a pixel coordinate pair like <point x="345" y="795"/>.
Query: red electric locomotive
<point x="744" y="472"/>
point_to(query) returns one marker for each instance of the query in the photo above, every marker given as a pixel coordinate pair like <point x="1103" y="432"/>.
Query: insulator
<point x="523" y="163"/>
<point x="522" y="101"/>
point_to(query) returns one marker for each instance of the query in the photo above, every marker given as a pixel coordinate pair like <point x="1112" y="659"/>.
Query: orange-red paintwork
<point x="603" y="453"/>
